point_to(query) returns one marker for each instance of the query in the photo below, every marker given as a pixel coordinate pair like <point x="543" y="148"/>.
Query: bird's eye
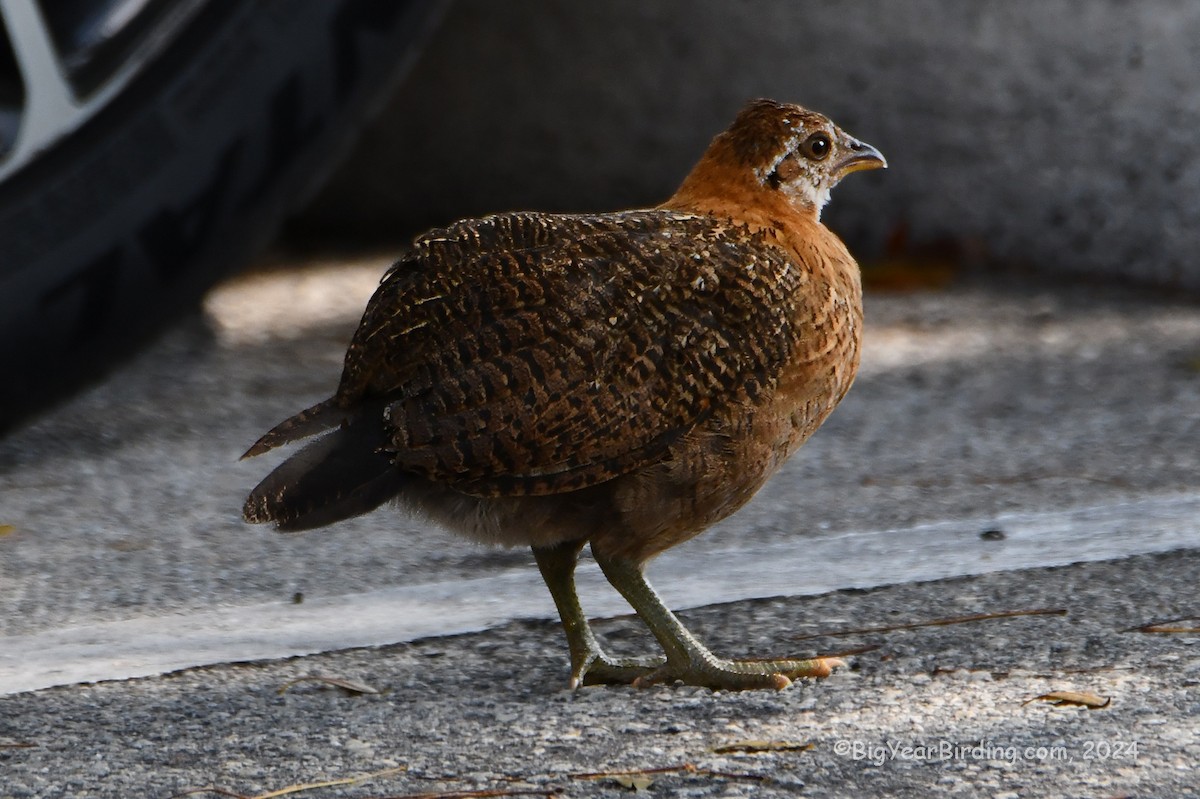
<point x="817" y="146"/>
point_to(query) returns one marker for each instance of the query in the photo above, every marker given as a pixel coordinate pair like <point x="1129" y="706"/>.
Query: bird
<point x="616" y="380"/>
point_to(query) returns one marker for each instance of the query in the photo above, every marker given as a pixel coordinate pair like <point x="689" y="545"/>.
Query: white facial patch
<point x="804" y="192"/>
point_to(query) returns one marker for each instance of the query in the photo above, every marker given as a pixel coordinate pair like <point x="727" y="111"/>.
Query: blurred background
<point x="1056" y="134"/>
<point x="197" y="199"/>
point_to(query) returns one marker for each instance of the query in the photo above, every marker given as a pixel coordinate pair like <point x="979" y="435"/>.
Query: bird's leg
<point x="589" y="664"/>
<point x="687" y="659"/>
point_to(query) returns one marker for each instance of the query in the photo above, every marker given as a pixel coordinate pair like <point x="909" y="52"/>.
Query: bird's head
<point x="785" y="150"/>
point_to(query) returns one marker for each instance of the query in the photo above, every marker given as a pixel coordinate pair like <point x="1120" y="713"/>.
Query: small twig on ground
<point x="1004" y="614"/>
<point x="1168" y="626"/>
<point x="603" y="775"/>
<point x="1075" y="698"/>
<point x="338" y="682"/>
<point x="1141" y="667"/>
<point x="308" y="786"/>
<point x="755" y="747"/>
<point x="485" y="793"/>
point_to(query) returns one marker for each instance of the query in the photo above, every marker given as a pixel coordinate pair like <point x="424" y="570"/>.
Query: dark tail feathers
<point x="319" y="417"/>
<point x="338" y="476"/>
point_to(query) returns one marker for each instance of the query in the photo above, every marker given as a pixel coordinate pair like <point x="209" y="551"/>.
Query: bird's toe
<point x="600" y="669"/>
<point x="740" y="675"/>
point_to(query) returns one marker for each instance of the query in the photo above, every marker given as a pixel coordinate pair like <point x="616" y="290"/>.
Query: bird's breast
<point x="827" y="341"/>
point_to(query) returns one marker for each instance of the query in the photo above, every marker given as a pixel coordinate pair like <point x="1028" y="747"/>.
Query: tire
<point x="117" y="227"/>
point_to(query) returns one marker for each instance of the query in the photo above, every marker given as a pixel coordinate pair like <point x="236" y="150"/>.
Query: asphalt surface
<point x="995" y="425"/>
<point x="944" y="710"/>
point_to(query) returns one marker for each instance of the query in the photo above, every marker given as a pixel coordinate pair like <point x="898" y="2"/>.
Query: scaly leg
<point x="687" y="659"/>
<point x="589" y="664"/>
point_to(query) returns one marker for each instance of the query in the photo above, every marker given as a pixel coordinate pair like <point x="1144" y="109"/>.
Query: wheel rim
<point x="62" y="61"/>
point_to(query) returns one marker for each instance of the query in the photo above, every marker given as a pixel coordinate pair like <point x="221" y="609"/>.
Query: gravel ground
<point x="935" y="710"/>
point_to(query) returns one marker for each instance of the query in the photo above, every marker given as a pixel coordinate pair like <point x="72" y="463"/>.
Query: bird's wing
<point x="536" y="354"/>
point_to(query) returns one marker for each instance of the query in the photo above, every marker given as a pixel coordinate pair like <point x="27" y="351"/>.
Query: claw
<point x="580" y="670"/>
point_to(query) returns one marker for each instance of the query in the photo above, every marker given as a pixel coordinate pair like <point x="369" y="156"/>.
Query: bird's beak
<point x="859" y="155"/>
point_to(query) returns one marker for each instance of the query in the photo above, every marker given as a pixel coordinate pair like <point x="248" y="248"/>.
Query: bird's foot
<point x="597" y="668"/>
<point x="739" y="675"/>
